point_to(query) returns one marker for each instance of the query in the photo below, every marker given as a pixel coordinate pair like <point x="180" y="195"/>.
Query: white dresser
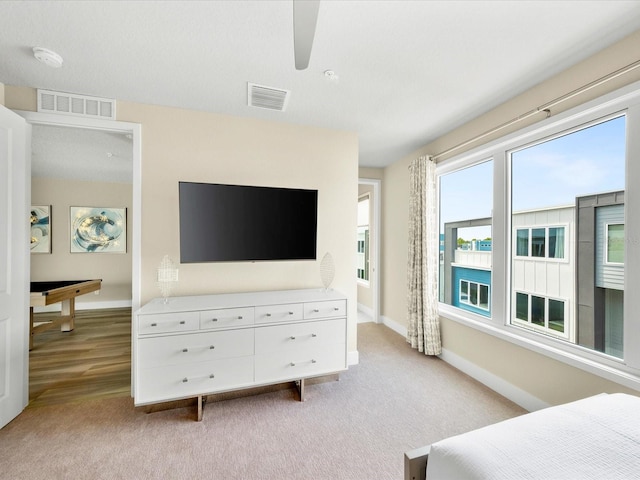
<point x="198" y="345"/>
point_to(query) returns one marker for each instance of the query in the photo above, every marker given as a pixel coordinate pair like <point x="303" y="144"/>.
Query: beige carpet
<point x="357" y="428"/>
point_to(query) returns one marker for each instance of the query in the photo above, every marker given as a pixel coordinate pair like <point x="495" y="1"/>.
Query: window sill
<point x="592" y="362"/>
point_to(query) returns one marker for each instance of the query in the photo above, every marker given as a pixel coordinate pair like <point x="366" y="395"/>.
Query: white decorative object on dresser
<point x="194" y="346"/>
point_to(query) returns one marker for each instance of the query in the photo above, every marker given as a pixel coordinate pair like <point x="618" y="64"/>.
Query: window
<point x="362" y="268"/>
<point x="541" y="313"/>
<point x="475" y="294"/>
<point x="566" y="178"/>
<point x="615" y="244"/>
<point x="545" y="242"/>
<point x="465" y="238"/>
<point x="564" y="199"/>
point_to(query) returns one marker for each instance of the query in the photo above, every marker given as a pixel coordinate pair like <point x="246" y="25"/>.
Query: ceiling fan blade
<point x="305" y="17"/>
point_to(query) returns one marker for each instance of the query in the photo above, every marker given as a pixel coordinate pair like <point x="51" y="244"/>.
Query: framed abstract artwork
<point x="40" y="218"/>
<point x="98" y="229"/>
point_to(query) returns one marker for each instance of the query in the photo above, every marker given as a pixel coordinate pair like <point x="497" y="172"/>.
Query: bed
<point x="597" y="437"/>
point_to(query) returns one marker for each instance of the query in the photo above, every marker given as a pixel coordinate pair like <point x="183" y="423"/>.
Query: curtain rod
<point x="543" y="108"/>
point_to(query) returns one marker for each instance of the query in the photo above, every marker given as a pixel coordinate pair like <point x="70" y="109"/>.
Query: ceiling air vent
<point x="77" y="105"/>
<point x="267" y="97"/>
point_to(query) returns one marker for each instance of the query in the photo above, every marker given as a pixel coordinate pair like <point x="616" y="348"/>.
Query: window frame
<point x="468" y="301"/>
<point x="546" y="330"/>
<point x="606" y="244"/>
<point x="546" y="258"/>
<point x="624" y="101"/>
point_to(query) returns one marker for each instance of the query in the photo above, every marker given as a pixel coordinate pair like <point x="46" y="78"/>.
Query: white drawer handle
<point x="316" y="310"/>
<point x="336" y="308"/>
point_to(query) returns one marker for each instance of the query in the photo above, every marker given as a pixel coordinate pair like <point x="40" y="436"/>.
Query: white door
<point x="15" y="193"/>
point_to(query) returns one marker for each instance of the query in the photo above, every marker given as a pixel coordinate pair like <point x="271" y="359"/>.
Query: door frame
<point x="374" y="256"/>
<point x="135" y="130"/>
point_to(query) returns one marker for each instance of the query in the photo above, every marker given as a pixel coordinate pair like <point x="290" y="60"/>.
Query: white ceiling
<point x="408" y="71"/>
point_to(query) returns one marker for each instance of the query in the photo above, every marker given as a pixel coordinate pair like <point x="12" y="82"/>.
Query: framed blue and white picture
<point x="98" y="229"/>
<point x="40" y="218"/>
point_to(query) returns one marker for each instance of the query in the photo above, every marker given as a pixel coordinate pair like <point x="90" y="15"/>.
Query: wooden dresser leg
<point x="300" y="387"/>
<point x="202" y="400"/>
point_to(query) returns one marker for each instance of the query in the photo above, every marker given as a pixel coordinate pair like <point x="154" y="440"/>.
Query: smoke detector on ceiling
<point x="48" y="57"/>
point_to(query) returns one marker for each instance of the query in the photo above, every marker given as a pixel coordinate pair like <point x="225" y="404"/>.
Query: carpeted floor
<point x="357" y="428"/>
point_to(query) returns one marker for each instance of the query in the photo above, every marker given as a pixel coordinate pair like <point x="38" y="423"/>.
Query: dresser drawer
<point x="300" y="335"/>
<point x="279" y="313"/>
<point x="334" y="308"/>
<point x="195" y="347"/>
<point x="180" y="381"/>
<point x="168" y="322"/>
<point x="300" y="363"/>
<point x="226" y="318"/>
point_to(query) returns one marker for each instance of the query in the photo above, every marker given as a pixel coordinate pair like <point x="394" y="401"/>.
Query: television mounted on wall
<point x="236" y="223"/>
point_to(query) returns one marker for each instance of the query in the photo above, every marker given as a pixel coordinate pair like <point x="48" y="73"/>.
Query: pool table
<point x="64" y="291"/>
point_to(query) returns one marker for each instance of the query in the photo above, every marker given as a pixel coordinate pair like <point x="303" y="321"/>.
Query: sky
<point x="551" y="173"/>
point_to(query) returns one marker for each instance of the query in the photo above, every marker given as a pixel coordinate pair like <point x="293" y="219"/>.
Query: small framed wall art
<point x="98" y="229"/>
<point x="40" y="218"/>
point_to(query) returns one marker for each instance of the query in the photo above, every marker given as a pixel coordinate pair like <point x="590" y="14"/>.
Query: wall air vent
<point x="77" y="105"/>
<point x="267" y="97"/>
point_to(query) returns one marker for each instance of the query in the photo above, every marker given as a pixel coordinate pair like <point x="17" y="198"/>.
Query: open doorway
<point x="368" y="248"/>
<point x="85" y="163"/>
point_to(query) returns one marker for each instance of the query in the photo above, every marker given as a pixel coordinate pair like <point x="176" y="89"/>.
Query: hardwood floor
<point x="93" y="361"/>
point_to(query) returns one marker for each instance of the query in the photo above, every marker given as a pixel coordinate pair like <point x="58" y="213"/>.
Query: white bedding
<point x="597" y="437"/>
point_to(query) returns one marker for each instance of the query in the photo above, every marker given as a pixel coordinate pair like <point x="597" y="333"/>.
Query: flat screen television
<point x="233" y="223"/>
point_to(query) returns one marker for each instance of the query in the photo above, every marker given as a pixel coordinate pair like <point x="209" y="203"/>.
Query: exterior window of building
<point x="545" y="242"/>
<point x="542" y="313"/>
<point x="473" y="293"/>
<point x="362" y="269"/>
<point x="615" y="244"/>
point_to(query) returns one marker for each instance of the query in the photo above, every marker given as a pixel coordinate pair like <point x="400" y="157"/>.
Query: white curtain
<point x="423" y="331"/>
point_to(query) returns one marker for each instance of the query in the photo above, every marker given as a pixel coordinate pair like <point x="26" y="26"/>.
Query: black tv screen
<point x="229" y="223"/>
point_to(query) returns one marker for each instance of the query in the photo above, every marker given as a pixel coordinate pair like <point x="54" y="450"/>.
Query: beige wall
<point x="113" y="268"/>
<point x="189" y="145"/>
<point x="195" y="146"/>
<point x="496" y="356"/>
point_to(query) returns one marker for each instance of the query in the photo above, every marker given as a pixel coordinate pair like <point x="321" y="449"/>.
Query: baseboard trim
<point x="366" y="310"/>
<point x="393" y="325"/>
<point x="353" y="358"/>
<point x="495" y="383"/>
